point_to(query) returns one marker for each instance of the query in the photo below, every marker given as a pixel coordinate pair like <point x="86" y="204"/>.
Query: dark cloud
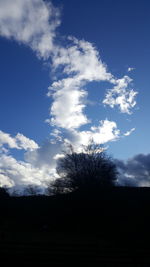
<point x="135" y="171"/>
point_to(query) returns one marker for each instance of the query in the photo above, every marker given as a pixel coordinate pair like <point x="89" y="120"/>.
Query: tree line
<point x="88" y="169"/>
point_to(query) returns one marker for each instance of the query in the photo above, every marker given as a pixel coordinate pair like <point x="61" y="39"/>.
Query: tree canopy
<point x="89" y="169"/>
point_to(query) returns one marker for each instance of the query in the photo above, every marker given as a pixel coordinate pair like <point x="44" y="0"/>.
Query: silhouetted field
<point x="110" y="227"/>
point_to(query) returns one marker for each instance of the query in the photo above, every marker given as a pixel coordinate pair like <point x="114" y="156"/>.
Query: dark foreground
<point x="107" y="228"/>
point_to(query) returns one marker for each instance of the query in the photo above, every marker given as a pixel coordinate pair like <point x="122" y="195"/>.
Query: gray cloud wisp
<point x="135" y="171"/>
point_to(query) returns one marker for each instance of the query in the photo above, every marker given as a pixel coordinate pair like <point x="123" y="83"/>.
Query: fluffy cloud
<point x="5" y="138"/>
<point x="39" y="165"/>
<point x="82" y="59"/>
<point x="19" y="142"/>
<point x="20" y="173"/>
<point x="25" y="143"/>
<point x="67" y="107"/>
<point x="106" y="131"/>
<point x="69" y="94"/>
<point x="5" y="181"/>
<point x="70" y="91"/>
<point x="135" y="171"/>
<point x="121" y="95"/>
<point x="32" y="22"/>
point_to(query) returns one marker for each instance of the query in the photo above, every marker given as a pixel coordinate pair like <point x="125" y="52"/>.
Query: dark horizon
<point x="108" y="227"/>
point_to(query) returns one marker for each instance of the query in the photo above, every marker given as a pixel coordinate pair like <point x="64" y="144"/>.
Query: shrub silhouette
<point x="87" y="170"/>
<point x="3" y="192"/>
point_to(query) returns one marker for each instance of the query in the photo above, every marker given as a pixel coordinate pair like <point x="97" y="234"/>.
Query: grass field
<point x="110" y="230"/>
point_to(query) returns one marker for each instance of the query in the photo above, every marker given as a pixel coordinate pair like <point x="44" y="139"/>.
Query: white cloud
<point x="32" y="22"/>
<point x="17" y="142"/>
<point x="20" y="173"/>
<point x="121" y="95"/>
<point x="58" y="156"/>
<point x="130" y="69"/>
<point x="69" y="94"/>
<point x="81" y="63"/>
<point x="67" y="107"/>
<point x="105" y="132"/>
<point x="3" y="150"/>
<point x="25" y="143"/>
<point x="39" y="165"/>
<point x="5" y="138"/>
<point x="56" y="136"/>
<point x="83" y="60"/>
<point x="5" y="181"/>
<point x="129" y="132"/>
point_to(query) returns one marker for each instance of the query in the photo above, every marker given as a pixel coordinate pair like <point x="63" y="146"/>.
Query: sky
<point x="72" y="71"/>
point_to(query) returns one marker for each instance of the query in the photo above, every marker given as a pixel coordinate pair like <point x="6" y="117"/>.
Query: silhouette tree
<point x="87" y="170"/>
<point x="3" y="192"/>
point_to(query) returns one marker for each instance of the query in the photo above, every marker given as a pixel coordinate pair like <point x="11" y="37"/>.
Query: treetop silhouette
<point x="87" y="170"/>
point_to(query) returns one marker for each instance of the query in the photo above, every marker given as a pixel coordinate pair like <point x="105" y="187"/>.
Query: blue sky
<point x="119" y="32"/>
